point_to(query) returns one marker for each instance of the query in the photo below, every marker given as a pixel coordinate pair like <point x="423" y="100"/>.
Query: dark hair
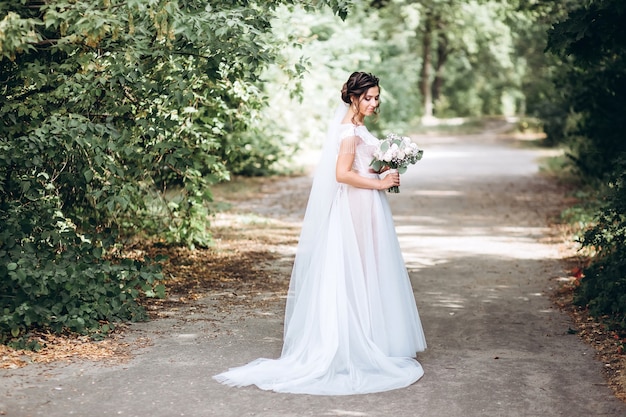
<point x="357" y="85"/>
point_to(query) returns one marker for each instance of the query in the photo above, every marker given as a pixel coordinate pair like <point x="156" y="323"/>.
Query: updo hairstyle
<point x="357" y="85"/>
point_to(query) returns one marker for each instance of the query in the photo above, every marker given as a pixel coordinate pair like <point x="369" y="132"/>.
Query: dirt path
<point x="471" y="218"/>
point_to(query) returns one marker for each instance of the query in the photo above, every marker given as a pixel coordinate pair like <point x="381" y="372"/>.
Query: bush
<point x="592" y="82"/>
<point x="106" y="107"/>
<point x="604" y="287"/>
<point x="53" y="278"/>
<point x="592" y="41"/>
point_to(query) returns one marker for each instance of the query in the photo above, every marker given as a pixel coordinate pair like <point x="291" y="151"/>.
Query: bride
<point x="351" y="324"/>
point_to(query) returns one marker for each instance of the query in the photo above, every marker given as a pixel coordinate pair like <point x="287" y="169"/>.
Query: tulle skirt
<point x="352" y="326"/>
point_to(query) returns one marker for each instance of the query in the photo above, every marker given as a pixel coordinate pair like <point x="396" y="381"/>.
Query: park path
<point x="471" y="218"/>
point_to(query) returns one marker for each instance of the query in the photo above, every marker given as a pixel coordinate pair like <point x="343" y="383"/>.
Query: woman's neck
<point x="354" y="118"/>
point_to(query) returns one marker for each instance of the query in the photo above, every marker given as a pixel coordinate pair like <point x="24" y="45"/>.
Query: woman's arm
<point x="345" y="175"/>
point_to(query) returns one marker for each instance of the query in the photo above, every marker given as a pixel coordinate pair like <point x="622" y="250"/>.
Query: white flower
<point x="395" y="151"/>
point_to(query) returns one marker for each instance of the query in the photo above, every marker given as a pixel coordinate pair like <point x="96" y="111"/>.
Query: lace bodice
<point x="362" y="144"/>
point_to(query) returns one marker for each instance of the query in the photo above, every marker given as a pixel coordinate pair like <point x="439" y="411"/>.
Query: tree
<point x="471" y="58"/>
<point x="591" y="42"/>
<point x="116" y="116"/>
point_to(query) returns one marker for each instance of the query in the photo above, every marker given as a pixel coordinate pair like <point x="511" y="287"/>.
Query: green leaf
<point x="21" y="274"/>
<point x="160" y="290"/>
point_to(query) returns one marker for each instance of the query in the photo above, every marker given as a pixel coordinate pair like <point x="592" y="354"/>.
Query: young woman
<point x="351" y="324"/>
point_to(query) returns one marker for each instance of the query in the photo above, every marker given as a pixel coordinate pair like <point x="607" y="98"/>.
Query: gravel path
<point x="471" y="218"/>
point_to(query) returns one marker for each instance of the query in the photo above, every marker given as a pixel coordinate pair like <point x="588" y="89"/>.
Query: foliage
<point x="116" y="116"/>
<point x="541" y="96"/>
<point x="592" y="45"/>
<point x="53" y="277"/>
<point x="592" y="42"/>
<point x="470" y="58"/>
<point x="72" y="288"/>
<point x="604" y="287"/>
<point x="303" y="85"/>
<point x="494" y="62"/>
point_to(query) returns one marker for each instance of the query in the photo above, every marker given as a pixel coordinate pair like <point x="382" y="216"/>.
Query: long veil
<point x="316" y="216"/>
<point x="351" y="324"/>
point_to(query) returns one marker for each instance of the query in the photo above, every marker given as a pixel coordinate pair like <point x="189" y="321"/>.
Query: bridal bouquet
<point x="396" y="152"/>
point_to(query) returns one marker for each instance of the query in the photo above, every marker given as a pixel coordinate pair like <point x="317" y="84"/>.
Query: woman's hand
<point x="390" y="180"/>
<point x="345" y="175"/>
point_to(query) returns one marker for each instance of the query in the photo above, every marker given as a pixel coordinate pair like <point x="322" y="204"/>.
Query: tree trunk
<point x="442" y="58"/>
<point x="425" y="87"/>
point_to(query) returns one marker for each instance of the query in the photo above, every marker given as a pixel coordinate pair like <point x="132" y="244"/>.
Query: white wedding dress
<point x="351" y="324"/>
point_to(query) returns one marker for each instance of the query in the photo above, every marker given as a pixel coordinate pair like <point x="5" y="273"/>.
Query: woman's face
<point x="368" y="103"/>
